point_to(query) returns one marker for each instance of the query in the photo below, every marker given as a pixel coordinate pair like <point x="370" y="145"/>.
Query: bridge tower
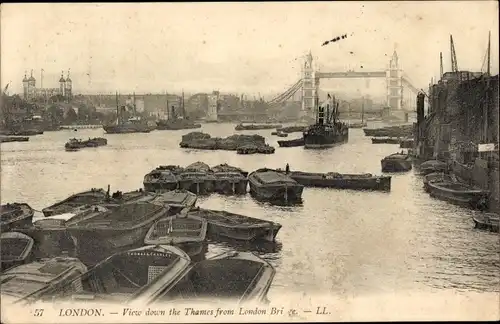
<point x="394" y="84"/>
<point x="309" y="86"/>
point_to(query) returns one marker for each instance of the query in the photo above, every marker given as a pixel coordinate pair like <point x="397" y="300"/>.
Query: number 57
<point x="38" y="312"/>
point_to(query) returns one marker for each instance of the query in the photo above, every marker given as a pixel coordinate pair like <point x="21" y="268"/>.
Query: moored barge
<point x="397" y="162"/>
<point x="183" y="230"/>
<point x="241" y="276"/>
<point x="269" y="185"/>
<point x="42" y="279"/>
<point x="118" y="227"/>
<point x="200" y="183"/>
<point x="459" y="194"/>
<point x="235" y="226"/>
<point x="341" y="180"/>
<point x="125" y="275"/>
<point x="160" y="179"/>
<point x="16" y="215"/>
<point x="230" y="183"/>
<point x="16" y="249"/>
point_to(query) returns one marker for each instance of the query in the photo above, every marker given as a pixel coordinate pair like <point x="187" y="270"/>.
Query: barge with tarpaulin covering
<point x="235" y="226"/>
<point x="230" y="183"/>
<point x="160" y="179"/>
<point x="269" y="185"/>
<point x="228" y="168"/>
<point x="75" y="144"/>
<point x="199" y="183"/>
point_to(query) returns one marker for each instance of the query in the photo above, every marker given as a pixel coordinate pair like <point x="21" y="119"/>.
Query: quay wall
<point x="455" y="125"/>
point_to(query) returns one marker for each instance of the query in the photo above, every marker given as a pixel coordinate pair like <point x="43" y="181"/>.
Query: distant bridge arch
<point x="308" y="84"/>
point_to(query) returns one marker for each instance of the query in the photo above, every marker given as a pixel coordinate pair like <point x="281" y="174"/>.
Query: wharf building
<point x="461" y="127"/>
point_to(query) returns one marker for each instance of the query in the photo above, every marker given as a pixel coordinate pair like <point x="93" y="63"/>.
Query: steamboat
<point x="328" y="131"/>
<point x="175" y="122"/>
<point x="133" y="124"/>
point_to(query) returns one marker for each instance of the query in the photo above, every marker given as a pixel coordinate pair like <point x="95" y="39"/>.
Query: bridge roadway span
<point x="350" y="74"/>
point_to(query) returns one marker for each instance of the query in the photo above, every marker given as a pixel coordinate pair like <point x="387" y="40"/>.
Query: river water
<point x="338" y="242"/>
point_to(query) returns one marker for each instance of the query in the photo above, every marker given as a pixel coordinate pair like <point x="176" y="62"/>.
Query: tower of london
<point x="31" y="92"/>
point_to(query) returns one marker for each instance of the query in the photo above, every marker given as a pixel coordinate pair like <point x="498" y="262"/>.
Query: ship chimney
<point x="321" y="115"/>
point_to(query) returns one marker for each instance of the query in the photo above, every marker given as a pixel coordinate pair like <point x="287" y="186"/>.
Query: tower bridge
<point x="397" y="85"/>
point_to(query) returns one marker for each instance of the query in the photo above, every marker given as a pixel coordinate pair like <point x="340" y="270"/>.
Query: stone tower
<point x="62" y="85"/>
<point x="394" y="83"/>
<point x="25" y="87"/>
<point x="68" y="89"/>
<point x="308" y="85"/>
<point x="31" y="87"/>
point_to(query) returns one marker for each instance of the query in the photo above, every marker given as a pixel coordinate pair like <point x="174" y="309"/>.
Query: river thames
<point x="338" y="242"/>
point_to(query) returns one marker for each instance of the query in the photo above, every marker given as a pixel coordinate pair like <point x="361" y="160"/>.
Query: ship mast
<point x="135" y="110"/>
<point x="486" y="106"/>
<point x="117" y="110"/>
<point x="183" y="111"/>
<point x="362" y="111"/>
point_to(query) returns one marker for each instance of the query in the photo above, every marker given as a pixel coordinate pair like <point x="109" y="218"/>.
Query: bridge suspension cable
<point x="287" y="94"/>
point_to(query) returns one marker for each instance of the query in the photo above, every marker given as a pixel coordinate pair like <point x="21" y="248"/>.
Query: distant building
<point x="139" y="104"/>
<point x="213" y="105"/>
<point x="197" y="105"/>
<point x="31" y="92"/>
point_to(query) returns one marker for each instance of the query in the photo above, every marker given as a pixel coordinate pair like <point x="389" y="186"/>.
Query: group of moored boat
<point x="198" y="178"/>
<point x="168" y="225"/>
<point x="273" y="185"/>
<point x="77" y="144"/>
<point x="447" y="187"/>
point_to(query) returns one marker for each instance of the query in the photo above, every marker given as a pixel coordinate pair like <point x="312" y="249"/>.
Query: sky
<point x="236" y="47"/>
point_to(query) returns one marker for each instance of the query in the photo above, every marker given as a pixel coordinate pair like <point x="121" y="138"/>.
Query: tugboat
<point x="174" y="122"/>
<point x="328" y="130"/>
<point x="133" y="125"/>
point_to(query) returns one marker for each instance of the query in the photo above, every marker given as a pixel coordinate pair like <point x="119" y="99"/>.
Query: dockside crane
<point x="440" y="65"/>
<point x="6" y="87"/>
<point x="454" y="64"/>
